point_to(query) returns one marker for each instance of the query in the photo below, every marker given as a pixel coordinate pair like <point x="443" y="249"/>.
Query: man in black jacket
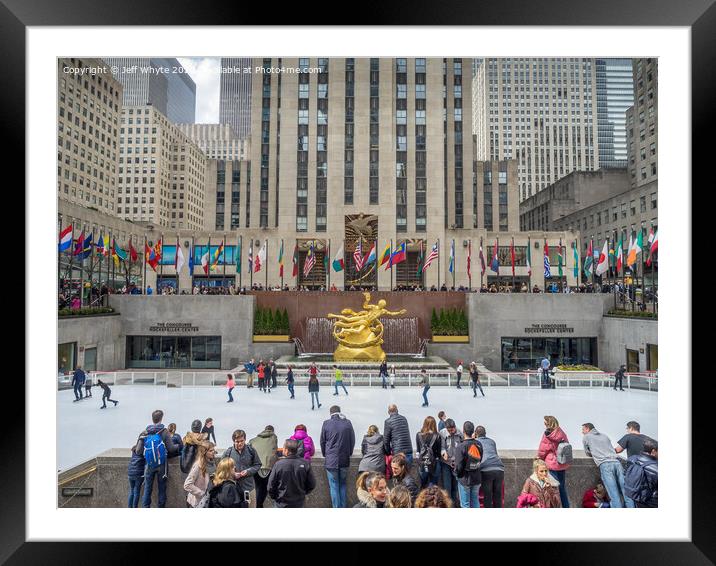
<point x="619" y="377"/>
<point x="645" y="493"/>
<point x="291" y="478"/>
<point x="78" y="380"/>
<point x="468" y="456"/>
<point x="337" y="443"/>
<point x="396" y="435"/>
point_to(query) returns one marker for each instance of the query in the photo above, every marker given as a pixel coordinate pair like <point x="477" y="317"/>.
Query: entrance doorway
<point x="90" y="359"/>
<point x="632" y="361"/>
<point x="652" y="357"/>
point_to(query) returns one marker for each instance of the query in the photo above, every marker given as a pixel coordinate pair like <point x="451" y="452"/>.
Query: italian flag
<point x="339" y="260"/>
<point x="634" y="250"/>
<point x="653" y="245"/>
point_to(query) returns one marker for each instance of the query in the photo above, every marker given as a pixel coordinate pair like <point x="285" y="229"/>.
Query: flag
<point x="87" y="246"/>
<point x="179" y="259"/>
<point x="79" y="243"/>
<point x="158" y="251"/>
<point x="280" y="261"/>
<point x="420" y="259"/>
<point x="589" y="260"/>
<point x="512" y="255"/>
<point x="99" y="248"/>
<point x="294" y="271"/>
<point x="326" y="256"/>
<point x="482" y="260"/>
<point x="219" y="251"/>
<point x="118" y="251"/>
<point x="310" y="261"/>
<point x="620" y="255"/>
<point x="132" y="252"/>
<point x="385" y="255"/>
<point x="575" y="269"/>
<point x="603" y="262"/>
<point x="547" y="272"/>
<point x="434" y="254"/>
<point x="358" y="255"/>
<point x="653" y="245"/>
<point x="339" y="260"/>
<point x="561" y="260"/>
<point x="150" y="256"/>
<point x="191" y="259"/>
<point x="106" y="246"/>
<point x="634" y="250"/>
<point x="451" y="265"/>
<point x="495" y="264"/>
<point x="205" y="262"/>
<point x="370" y="257"/>
<point x="238" y="258"/>
<point x="260" y="259"/>
<point x="65" y="239"/>
<point x="529" y="258"/>
<point x="469" y="259"/>
<point x="398" y="255"/>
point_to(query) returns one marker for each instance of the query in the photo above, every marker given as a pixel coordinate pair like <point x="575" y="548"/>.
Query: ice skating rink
<point x="512" y="416"/>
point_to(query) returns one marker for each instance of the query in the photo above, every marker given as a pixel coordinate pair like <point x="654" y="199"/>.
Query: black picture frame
<point x="699" y="16"/>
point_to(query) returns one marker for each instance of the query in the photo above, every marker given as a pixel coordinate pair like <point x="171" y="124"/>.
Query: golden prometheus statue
<point x="360" y="334"/>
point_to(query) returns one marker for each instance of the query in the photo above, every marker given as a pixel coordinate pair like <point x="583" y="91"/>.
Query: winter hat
<point x="196" y="425"/>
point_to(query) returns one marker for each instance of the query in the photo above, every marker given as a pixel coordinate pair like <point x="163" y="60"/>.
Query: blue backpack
<point x="155" y="452"/>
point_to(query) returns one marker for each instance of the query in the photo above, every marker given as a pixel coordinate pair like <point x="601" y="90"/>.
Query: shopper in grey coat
<point x="373" y="452"/>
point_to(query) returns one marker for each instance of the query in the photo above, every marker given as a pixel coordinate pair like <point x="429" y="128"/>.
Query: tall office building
<point x="89" y="105"/>
<point x="615" y="93"/>
<point x="235" y="95"/>
<point x="217" y="141"/>
<point x="643" y="123"/>
<point x="162" y="173"/>
<point x="163" y="83"/>
<point x="541" y="112"/>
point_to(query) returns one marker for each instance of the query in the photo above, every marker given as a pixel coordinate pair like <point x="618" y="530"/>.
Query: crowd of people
<point x="445" y="466"/>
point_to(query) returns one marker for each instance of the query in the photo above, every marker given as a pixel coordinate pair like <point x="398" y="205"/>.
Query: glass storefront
<point x="527" y="353"/>
<point x="66" y="356"/>
<point x="199" y="352"/>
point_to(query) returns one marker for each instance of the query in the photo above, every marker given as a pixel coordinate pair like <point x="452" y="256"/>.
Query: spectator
<point x="209" y="429"/>
<point x="396" y="436"/>
<point x="225" y="492"/>
<point x="176" y="439"/>
<point x="197" y="481"/>
<point x="291" y="478"/>
<point x="427" y="444"/>
<point x="599" y="447"/>
<point x="375" y="492"/>
<point x="450" y="438"/>
<point x="492" y="470"/>
<point x="542" y="486"/>
<point x="78" y="380"/>
<point x="641" y="482"/>
<point x="433" y="496"/>
<point x="266" y="446"/>
<point x="306" y="448"/>
<point x="373" y="451"/>
<point x="633" y="441"/>
<point x="399" y="497"/>
<point x="549" y="451"/>
<point x="337" y="443"/>
<point x="250" y="368"/>
<point x="441" y="420"/>
<point x="247" y="464"/>
<point x="192" y="440"/>
<point x="401" y="475"/>
<point x="135" y="473"/>
<point x="468" y="458"/>
<point x="596" y="497"/>
<point x="157" y="444"/>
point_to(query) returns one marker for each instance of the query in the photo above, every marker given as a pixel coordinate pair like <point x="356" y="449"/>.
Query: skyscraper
<point x="541" y="112"/>
<point x="235" y="95"/>
<point x="163" y="83"/>
<point x="615" y="93"/>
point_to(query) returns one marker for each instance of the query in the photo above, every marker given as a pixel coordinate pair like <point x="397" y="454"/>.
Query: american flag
<point x="358" y="255"/>
<point x="433" y="255"/>
<point x="310" y="261"/>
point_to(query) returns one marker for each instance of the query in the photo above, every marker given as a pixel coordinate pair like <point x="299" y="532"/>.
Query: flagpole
<point x="101" y="257"/>
<point x="266" y="266"/>
<point x="529" y="274"/>
<point x="72" y="257"/>
<point x="110" y="259"/>
<point x="643" y="268"/>
<point x="144" y="276"/>
<point x="482" y="272"/>
<point x="497" y="241"/>
<point x="224" y="252"/>
<point x="328" y="267"/>
<point x="439" y="254"/>
<point x="282" y="250"/>
<point x="614" y="269"/>
<point x="82" y="269"/>
<point x="513" y="263"/>
<point x="560" y="268"/>
<point x="390" y="259"/>
<point x="469" y="275"/>
<point x="208" y="266"/>
<point x="593" y="266"/>
<point x="241" y="251"/>
<point x="653" y="281"/>
<point x="161" y="263"/>
<point x="176" y="260"/>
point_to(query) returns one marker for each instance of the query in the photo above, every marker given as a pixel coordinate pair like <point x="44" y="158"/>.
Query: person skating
<point x="250" y="369"/>
<point x="475" y="379"/>
<point x="392" y="376"/>
<point x="230" y="384"/>
<point x="384" y="373"/>
<point x="88" y="385"/>
<point x="106" y="392"/>
<point x="425" y="382"/>
<point x="619" y="378"/>
<point x="458" y="371"/>
<point x="338" y="376"/>
<point x="290" y="381"/>
<point x="291" y="478"/>
<point x="337" y="443"/>
<point x="261" y="371"/>
<point x="313" y="388"/>
<point x="78" y="380"/>
<point x="274" y="374"/>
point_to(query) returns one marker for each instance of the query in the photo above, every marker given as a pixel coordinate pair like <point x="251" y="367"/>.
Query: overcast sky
<point x="204" y="71"/>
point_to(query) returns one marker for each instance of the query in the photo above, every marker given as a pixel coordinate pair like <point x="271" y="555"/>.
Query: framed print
<point x="461" y="215"/>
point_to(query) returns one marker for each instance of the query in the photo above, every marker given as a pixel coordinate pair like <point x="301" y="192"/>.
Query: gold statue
<point x="360" y="334"/>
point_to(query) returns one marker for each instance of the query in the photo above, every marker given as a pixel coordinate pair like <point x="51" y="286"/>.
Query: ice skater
<point x="338" y="376"/>
<point x="392" y="376"/>
<point x="289" y="381"/>
<point x="230" y="384"/>
<point x="78" y="380"/>
<point x="261" y="370"/>
<point x="458" y="370"/>
<point x="619" y="377"/>
<point x="313" y="387"/>
<point x="250" y="369"/>
<point x="475" y="378"/>
<point x="88" y="385"/>
<point x="384" y="373"/>
<point x="106" y="392"/>
<point x="274" y="375"/>
<point x="425" y="382"/>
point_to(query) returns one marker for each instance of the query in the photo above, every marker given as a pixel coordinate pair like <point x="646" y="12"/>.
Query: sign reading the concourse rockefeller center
<point x="549" y="329"/>
<point x="173" y="327"/>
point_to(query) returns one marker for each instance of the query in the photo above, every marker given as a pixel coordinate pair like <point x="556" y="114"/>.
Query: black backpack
<point x="186" y="459"/>
<point x="636" y="482"/>
<point x="473" y="457"/>
<point x="426" y="457"/>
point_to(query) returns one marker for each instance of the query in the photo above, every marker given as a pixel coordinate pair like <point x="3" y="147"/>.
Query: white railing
<point x="370" y="378"/>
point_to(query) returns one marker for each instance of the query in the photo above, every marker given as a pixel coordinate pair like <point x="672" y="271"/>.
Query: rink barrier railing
<point x="641" y="381"/>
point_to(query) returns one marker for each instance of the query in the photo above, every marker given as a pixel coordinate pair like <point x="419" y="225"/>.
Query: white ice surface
<point x="512" y="416"/>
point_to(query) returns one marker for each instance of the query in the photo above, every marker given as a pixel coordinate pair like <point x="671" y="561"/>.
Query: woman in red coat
<point x="547" y="451"/>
